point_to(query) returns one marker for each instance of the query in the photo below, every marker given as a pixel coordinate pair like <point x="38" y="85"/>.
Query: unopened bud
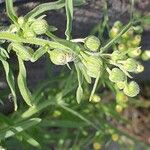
<point x="113" y="32"/>
<point x="92" y="43"/>
<point x="146" y="55"/>
<point x="39" y="26"/>
<point x="132" y="89"/>
<point x="134" y="52"/>
<point x="116" y="75"/>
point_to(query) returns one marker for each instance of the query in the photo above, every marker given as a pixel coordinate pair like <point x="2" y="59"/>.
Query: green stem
<point x="109" y="44"/>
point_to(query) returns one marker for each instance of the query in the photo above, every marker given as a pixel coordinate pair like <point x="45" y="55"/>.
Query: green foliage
<point x="53" y="105"/>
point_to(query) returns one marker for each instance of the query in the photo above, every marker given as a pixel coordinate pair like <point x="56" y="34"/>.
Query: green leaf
<point x="10" y="10"/>
<point x="18" y="127"/>
<point x="78" y="2"/>
<point x="26" y="94"/>
<point x="83" y="71"/>
<point x="45" y="7"/>
<point x="69" y="14"/>
<point x="23" y="52"/>
<point x="9" y="75"/>
<point x="79" y="94"/>
<point x="39" y="52"/>
<point x="30" y="140"/>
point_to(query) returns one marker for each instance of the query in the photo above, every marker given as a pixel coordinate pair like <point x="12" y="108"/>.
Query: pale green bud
<point x="120" y="85"/>
<point x="132" y="89"/>
<point x="136" y="40"/>
<point x="121" y="98"/>
<point x="122" y="47"/>
<point x="28" y="33"/>
<point x="138" y="29"/>
<point x="119" y="108"/>
<point x="140" y="68"/>
<point x="146" y="55"/>
<point x="21" y="21"/>
<point x="113" y="32"/>
<point x="94" y="65"/>
<point x="116" y="75"/>
<point x="117" y="24"/>
<point x="96" y="98"/>
<point x="130" y="65"/>
<point x="117" y="55"/>
<point x="39" y="26"/>
<point x="59" y="57"/>
<point x="134" y="52"/>
<point x="92" y="43"/>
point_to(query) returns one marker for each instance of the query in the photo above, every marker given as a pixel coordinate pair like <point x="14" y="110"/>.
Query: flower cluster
<point x="29" y="28"/>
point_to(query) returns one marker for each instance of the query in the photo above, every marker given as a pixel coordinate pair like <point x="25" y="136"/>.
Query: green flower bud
<point x="146" y="55"/>
<point x="59" y="57"/>
<point x="39" y="26"/>
<point x="117" y="55"/>
<point x="94" y="65"/>
<point x="138" y="29"/>
<point x="116" y="75"/>
<point x="117" y="24"/>
<point x="128" y="35"/>
<point x="130" y="65"/>
<point x="113" y="32"/>
<point x="140" y="68"/>
<point x="120" y="85"/>
<point x="132" y="89"/>
<point x="28" y="33"/>
<point x="119" y="108"/>
<point x="21" y="21"/>
<point x="122" y="47"/>
<point x="136" y="40"/>
<point x="134" y="52"/>
<point x="121" y="98"/>
<point x="92" y="43"/>
<point x="96" y="98"/>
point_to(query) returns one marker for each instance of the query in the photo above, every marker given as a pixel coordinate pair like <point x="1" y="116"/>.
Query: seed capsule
<point x="132" y="89"/>
<point x="116" y="75"/>
<point x="39" y="26"/>
<point x="92" y="43"/>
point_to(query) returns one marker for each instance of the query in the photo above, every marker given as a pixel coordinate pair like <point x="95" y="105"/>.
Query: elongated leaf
<point x="23" y="52"/>
<point x="10" y="10"/>
<point x="78" y="2"/>
<point x="18" y="127"/>
<point x="69" y="14"/>
<point x="30" y="140"/>
<point x="26" y="94"/>
<point x="94" y="87"/>
<point x="38" y="53"/>
<point x="45" y="7"/>
<point x="79" y="92"/>
<point x="9" y="75"/>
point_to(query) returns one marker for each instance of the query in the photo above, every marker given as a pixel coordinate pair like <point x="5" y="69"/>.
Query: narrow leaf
<point x="10" y="10"/>
<point x="18" y="127"/>
<point x="79" y="94"/>
<point x="69" y="15"/>
<point x="26" y="94"/>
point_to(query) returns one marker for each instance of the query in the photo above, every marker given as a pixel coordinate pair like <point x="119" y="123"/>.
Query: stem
<point x="109" y="44"/>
